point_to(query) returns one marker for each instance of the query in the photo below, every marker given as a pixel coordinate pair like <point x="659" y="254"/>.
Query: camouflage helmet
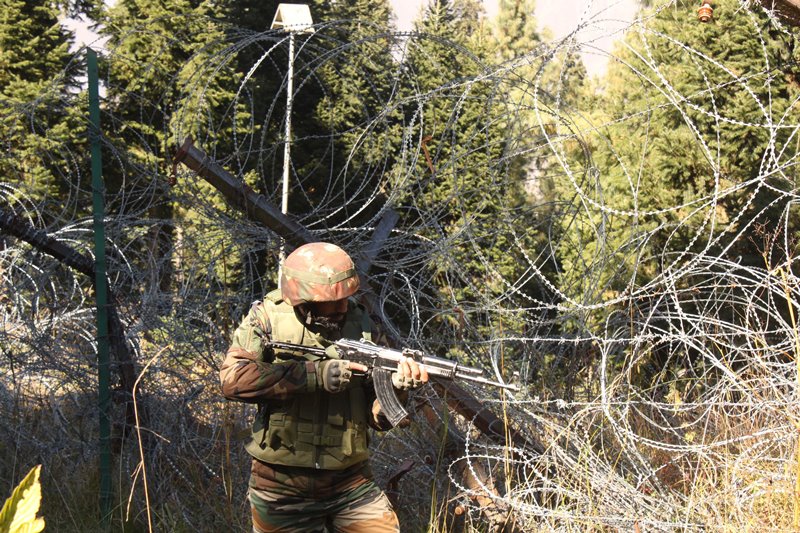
<point x="318" y="272"/>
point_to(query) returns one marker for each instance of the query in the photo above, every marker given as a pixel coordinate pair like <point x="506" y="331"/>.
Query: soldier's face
<point x="332" y="310"/>
<point x="328" y="315"/>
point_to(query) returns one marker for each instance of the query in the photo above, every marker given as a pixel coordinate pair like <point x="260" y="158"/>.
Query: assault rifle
<point x="382" y="362"/>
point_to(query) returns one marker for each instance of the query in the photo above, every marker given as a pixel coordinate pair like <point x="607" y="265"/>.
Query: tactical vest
<point x="317" y="429"/>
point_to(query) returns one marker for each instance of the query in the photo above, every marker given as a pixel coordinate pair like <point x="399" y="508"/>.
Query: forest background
<point x="622" y="248"/>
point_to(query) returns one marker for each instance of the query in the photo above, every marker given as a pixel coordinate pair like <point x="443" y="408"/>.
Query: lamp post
<point x="294" y="19"/>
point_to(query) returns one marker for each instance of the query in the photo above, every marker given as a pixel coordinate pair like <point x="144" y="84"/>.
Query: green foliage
<point x="682" y="152"/>
<point x="474" y="199"/>
<point x="516" y="31"/>
<point x="37" y="125"/>
<point x="691" y="120"/>
<point x="161" y="50"/>
<point x="160" y="92"/>
<point x="359" y="81"/>
<point x="19" y="512"/>
<point x="354" y="86"/>
<point x="35" y="50"/>
<point x="455" y="115"/>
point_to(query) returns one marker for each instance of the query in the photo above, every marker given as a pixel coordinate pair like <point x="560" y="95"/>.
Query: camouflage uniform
<point x="289" y="491"/>
<point x="288" y="499"/>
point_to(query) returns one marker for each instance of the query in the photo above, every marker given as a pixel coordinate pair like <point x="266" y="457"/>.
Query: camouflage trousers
<point x="305" y="500"/>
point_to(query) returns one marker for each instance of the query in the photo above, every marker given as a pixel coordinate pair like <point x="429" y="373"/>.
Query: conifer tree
<point x="541" y="85"/>
<point x="158" y="86"/>
<point x="695" y="114"/>
<point x="179" y="67"/>
<point x="516" y="32"/>
<point x="684" y="155"/>
<point x="352" y="108"/>
<point x="356" y="106"/>
<point x="471" y="204"/>
<point x="38" y="124"/>
<point x="343" y="78"/>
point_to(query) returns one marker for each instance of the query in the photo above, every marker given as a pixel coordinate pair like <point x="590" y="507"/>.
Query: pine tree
<point x="472" y="206"/>
<point x="685" y="154"/>
<point x="693" y="109"/>
<point x="179" y="68"/>
<point x="343" y="79"/>
<point x="342" y="122"/>
<point x="354" y="69"/>
<point x="159" y="90"/>
<point x="516" y="31"/>
<point x="41" y="132"/>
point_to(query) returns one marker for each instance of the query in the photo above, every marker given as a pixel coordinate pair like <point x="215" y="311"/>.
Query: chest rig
<point x="317" y="429"/>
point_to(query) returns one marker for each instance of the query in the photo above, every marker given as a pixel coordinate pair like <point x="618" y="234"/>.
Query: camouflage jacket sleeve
<point x="248" y="373"/>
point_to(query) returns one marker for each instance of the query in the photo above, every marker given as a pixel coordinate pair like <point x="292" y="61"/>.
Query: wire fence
<point x="659" y="380"/>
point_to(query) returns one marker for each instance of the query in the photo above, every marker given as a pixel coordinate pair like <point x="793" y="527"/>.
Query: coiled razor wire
<point x="667" y="401"/>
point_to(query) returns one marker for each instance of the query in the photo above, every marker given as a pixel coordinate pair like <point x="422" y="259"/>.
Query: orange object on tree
<point x="706" y="12"/>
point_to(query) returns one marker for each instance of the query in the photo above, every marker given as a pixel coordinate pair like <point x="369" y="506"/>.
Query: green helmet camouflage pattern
<point x="318" y="272"/>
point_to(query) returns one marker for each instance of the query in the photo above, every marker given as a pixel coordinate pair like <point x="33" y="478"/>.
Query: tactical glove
<point x="402" y="382"/>
<point x="333" y="374"/>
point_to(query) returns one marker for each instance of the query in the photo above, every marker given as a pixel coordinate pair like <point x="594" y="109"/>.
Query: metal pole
<point x="287" y="145"/>
<point x="288" y="135"/>
<point x="101" y="291"/>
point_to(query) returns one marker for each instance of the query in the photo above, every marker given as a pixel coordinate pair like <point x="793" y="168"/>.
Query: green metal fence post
<point x="101" y="290"/>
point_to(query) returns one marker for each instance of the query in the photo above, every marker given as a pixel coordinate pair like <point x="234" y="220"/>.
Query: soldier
<point x="310" y="467"/>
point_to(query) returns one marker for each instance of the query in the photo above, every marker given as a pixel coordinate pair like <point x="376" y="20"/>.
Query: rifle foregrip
<point x="384" y="390"/>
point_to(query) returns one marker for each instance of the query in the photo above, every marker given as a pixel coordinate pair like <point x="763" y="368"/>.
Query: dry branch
<point x="123" y="355"/>
<point x="787" y="10"/>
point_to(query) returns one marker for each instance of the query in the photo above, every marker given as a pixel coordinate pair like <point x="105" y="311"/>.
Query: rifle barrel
<point x="488" y="382"/>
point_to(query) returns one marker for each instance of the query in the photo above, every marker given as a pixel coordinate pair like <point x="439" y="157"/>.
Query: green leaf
<point x="19" y="512"/>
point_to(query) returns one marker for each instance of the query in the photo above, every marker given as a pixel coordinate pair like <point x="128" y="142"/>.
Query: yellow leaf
<point x="19" y="512"/>
<point x="674" y="397"/>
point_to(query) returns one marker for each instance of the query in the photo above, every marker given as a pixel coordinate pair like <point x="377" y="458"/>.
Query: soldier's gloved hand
<point x="409" y="374"/>
<point x="334" y="374"/>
